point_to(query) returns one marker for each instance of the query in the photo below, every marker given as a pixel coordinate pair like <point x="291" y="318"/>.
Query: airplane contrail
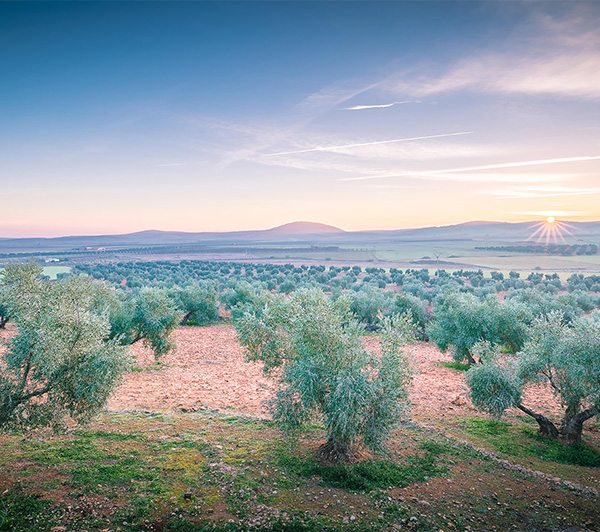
<point x="378" y="106"/>
<point x="485" y="167"/>
<point x="330" y="148"/>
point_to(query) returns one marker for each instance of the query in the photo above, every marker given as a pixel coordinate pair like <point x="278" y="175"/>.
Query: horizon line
<point x="411" y="228"/>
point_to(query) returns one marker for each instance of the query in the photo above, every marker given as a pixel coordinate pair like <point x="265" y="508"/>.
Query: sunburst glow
<point x="551" y="230"/>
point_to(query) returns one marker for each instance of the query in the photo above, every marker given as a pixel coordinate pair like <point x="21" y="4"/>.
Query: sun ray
<point x="564" y="224"/>
<point x="541" y="226"/>
<point x="562" y="238"/>
<point x="551" y="230"/>
<point x="563" y="229"/>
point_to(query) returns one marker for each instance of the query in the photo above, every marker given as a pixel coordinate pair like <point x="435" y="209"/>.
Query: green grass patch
<point x="111" y="436"/>
<point x="459" y="366"/>
<point x="122" y="472"/>
<point x="369" y="475"/>
<point x="486" y="427"/>
<point x="373" y="474"/>
<point x="53" y="271"/>
<point x="524" y="441"/>
<point x="22" y="512"/>
<point x="61" y="451"/>
<point x="555" y="451"/>
<point x="209" y="471"/>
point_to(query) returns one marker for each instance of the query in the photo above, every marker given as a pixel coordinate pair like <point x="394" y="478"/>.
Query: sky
<point x="118" y="117"/>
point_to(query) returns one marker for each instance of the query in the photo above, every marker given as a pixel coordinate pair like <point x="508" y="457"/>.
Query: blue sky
<point x="118" y="116"/>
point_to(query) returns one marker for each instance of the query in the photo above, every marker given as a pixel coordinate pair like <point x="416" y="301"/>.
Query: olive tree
<point x="4" y="311"/>
<point x="238" y="295"/>
<point x="324" y="371"/>
<point x="566" y="356"/>
<point x="198" y="302"/>
<point x="60" y="361"/>
<point x="408" y="303"/>
<point x="462" y="320"/>
<point x="146" y="315"/>
<point x="369" y="304"/>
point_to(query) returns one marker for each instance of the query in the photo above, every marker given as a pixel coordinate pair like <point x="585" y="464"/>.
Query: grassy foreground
<point x="206" y="471"/>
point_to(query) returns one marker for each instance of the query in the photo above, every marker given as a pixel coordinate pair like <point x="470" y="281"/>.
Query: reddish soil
<point x="208" y="370"/>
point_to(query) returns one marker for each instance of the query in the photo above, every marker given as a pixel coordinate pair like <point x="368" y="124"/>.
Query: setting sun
<point x="550" y="219"/>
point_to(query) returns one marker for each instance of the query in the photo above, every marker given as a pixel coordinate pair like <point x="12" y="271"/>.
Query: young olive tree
<point x="60" y="361"/>
<point x="462" y="320"/>
<point x="146" y="315"/>
<point x="566" y="356"/>
<point x="198" y="302"/>
<point x="369" y="304"/>
<point x="403" y="303"/>
<point x="324" y="370"/>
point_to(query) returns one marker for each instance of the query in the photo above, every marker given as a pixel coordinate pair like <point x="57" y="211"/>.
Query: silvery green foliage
<point x="370" y="303"/>
<point x="406" y="302"/>
<point x="325" y="372"/>
<point x="494" y="384"/>
<point x="541" y="303"/>
<point x="239" y="294"/>
<point x="565" y="356"/>
<point x="461" y="320"/>
<point x="197" y="301"/>
<point x="146" y="315"/>
<point x="60" y="361"/>
<point x="4" y="312"/>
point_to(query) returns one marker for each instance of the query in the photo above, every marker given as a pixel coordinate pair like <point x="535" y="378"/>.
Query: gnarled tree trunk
<point x="572" y="428"/>
<point x="335" y="453"/>
<point x="547" y="428"/>
<point x="187" y="317"/>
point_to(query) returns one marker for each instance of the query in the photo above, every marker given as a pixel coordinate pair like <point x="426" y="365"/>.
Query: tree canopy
<point x="326" y="372"/>
<point x="60" y="361"/>
<point x="462" y="320"/>
<point x="564" y="355"/>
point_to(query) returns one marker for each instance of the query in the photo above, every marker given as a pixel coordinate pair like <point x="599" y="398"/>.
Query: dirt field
<point x="208" y="370"/>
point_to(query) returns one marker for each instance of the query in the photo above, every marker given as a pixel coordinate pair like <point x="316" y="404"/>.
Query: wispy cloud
<point x="542" y="191"/>
<point x="374" y="159"/>
<point x="550" y="213"/>
<point x="360" y="144"/>
<point x="498" y="177"/>
<point x="332" y="96"/>
<point x="389" y="186"/>
<point x="392" y="154"/>
<point x="448" y="172"/>
<point x="256" y="138"/>
<point x="551" y="57"/>
<point x="378" y="106"/>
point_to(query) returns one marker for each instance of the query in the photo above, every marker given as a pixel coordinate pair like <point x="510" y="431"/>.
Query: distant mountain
<point x="294" y="231"/>
<point x="481" y="231"/>
<point x="305" y="228"/>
